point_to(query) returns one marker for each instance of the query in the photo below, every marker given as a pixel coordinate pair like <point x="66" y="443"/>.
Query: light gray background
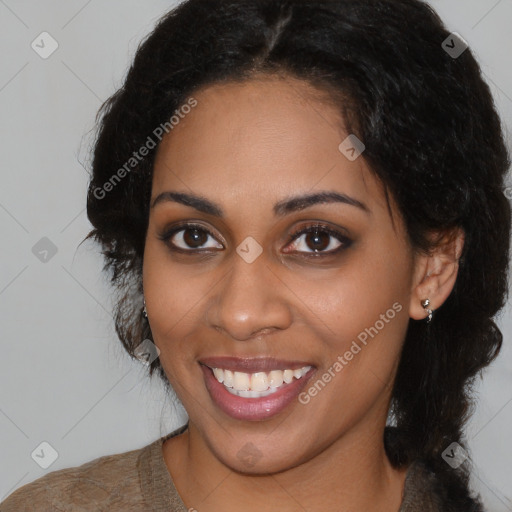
<point x="64" y="376"/>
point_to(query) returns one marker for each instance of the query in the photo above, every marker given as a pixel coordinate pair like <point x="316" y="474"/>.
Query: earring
<point x="144" y="312"/>
<point x="425" y="304"/>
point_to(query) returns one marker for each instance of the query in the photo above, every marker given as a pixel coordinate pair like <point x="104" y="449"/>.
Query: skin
<point x="245" y="147"/>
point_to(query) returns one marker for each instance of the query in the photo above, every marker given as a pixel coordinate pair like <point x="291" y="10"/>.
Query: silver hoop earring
<point x="425" y="304"/>
<point x="144" y="312"/>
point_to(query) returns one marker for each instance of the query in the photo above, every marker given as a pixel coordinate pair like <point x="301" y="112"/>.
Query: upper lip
<point x="252" y="364"/>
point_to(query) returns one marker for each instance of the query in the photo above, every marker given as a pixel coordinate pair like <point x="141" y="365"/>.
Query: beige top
<point x="139" y="481"/>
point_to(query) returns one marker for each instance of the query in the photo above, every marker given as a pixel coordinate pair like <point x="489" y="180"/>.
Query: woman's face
<point x="245" y="290"/>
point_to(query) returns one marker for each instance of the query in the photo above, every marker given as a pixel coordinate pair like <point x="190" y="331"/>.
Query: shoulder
<point x="107" y="483"/>
<point x="427" y="490"/>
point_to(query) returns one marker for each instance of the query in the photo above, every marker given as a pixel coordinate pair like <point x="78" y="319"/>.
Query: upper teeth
<point x="259" y="381"/>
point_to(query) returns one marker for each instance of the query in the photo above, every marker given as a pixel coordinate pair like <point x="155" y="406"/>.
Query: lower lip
<point x="253" y="409"/>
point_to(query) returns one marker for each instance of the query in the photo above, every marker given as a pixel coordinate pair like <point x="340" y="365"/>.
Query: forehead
<point x="261" y="140"/>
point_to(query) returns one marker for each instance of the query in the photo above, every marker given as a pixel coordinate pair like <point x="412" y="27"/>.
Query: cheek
<point x="372" y="320"/>
<point x="366" y="285"/>
<point x="363" y="313"/>
<point x="174" y="294"/>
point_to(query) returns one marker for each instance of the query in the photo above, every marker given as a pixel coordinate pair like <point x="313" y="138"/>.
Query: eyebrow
<point x="282" y="208"/>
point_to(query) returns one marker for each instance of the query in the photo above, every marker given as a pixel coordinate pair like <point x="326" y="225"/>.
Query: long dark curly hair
<point x="432" y="136"/>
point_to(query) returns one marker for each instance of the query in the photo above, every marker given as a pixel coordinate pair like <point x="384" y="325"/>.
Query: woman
<point x="301" y="204"/>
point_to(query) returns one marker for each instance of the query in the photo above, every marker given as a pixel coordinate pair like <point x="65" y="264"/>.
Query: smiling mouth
<point x="258" y="384"/>
<point x="254" y="388"/>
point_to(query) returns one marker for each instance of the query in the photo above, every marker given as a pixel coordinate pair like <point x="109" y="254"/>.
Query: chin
<point x="249" y="460"/>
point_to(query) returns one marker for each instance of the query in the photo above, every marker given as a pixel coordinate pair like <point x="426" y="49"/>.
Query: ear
<point x="435" y="273"/>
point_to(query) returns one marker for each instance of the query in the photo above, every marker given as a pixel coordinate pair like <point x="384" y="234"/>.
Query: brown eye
<point x="189" y="238"/>
<point x="319" y="240"/>
<point x="194" y="237"/>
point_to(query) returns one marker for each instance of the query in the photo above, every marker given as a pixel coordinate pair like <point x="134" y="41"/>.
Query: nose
<point x="250" y="301"/>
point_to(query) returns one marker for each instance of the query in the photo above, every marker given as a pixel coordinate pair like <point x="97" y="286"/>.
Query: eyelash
<point x="312" y="228"/>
